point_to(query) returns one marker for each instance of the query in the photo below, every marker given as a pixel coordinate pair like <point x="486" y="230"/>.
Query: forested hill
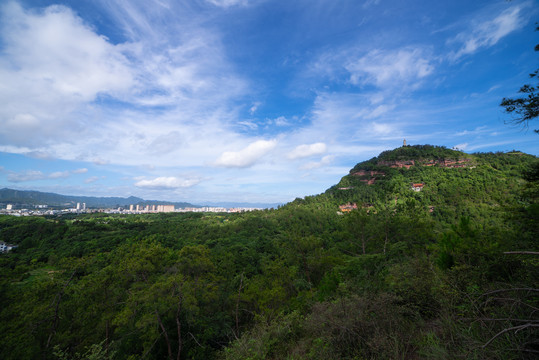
<point x="447" y="183"/>
<point x="420" y="253"/>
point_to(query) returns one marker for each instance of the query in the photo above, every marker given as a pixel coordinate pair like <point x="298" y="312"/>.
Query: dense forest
<point x="420" y="253"/>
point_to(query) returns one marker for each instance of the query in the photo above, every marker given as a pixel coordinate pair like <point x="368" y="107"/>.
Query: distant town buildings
<point x="80" y="208"/>
<point x="138" y="209"/>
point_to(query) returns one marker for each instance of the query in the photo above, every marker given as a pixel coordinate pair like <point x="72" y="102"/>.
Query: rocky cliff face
<point x="448" y="163"/>
<point x="368" y="176"/>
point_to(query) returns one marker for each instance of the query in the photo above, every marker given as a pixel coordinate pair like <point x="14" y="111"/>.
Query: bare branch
<point x="514" y="328"/>
<point x="195" y="340"/>
<point x="510" y="289"/>
<point x="522" y="252"/>
<point x="511" y="319"/>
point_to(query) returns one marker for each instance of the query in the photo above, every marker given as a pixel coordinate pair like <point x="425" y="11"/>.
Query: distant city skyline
<point x="249" y="101"/>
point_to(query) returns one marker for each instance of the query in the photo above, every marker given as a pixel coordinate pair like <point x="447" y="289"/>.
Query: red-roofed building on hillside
<point x="417" y="187"/>
<point x="348" y="207"/>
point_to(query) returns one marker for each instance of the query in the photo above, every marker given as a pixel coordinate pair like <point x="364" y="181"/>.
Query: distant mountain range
<point x="26" y="197"/>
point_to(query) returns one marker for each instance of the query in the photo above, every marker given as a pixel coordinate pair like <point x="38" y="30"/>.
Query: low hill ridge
<point x="31" y="197"/>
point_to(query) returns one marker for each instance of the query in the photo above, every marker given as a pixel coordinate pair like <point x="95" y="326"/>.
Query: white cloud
<point x="487" y="33"/>
<point x="53" y="63"/>
<point x="228" y="3"/>
<point x="91" y="179"/>
<point x="380" y="110"/>
<point x="390" y="68"/>
<point x="281" y="121"/>
<point x="59" y="175"/>
<point x="303" y="151"/>
<point x="169" y="182"/>
<point x="80" y="171"/>
<point x="247" y="156"/>
<point x="382" y="129"/>
<point x="254" y="108"/>
<point x="326" y="160"/>
<point x="462" y="146"/>
<point x="100" y="161"/>
<point x="166" y="143"/>
<point x="248" y="124"/>
<point x="33" y="175"/>
<point x="39" y="155"/>
<point x="26" y="176"/>
<point x="59" y="70"/>
<point x="476" y="131"/>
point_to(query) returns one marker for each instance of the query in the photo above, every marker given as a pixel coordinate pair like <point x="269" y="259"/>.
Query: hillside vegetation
<point x="376" y="267"/>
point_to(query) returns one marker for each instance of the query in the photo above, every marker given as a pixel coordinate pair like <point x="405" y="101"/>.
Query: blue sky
<point x="249" y="100"/>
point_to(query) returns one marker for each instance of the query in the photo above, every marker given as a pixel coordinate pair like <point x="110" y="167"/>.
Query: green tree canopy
<point x="524" y="108"/>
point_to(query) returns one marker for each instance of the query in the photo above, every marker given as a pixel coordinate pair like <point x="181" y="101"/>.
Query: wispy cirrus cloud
<point x="384" y="68"/>
<point x="478" y="130"/>
<point x="228" y="3"/>
<point x="487" y="32"/>
<point x="390" y="68"/>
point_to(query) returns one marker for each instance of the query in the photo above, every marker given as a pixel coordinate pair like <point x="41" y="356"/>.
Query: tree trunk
<point x="165" y="334"/>
<point x="56" y="317"/>
<point x="238" y="306"/>
<point x="179" y="327"/>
